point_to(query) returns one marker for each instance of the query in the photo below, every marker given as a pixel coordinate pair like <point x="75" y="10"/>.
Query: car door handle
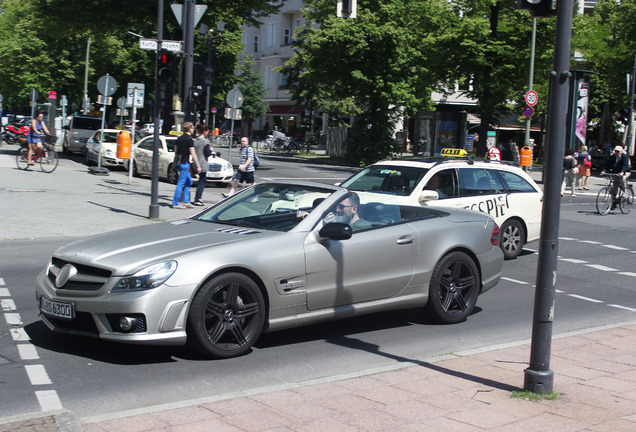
<point x="405" y="240"/>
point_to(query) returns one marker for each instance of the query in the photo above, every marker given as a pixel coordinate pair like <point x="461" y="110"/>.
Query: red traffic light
<point x="163" y="59"/>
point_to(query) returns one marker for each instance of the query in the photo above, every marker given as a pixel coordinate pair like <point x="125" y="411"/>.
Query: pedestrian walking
<point x="203" y="151"/>
<point x="570" y="171"/>
<point x="245" y="172"/>
<point x="183" y="152"/>
<point x="585" y="168"/>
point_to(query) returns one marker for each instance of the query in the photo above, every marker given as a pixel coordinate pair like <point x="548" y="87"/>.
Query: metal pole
<point x="188" y="36"/>
<point x="207" y="87"/>
<point x="531" y="80"/>
<point x="538" y="376"/>
<point x="153" y="211"/>
<point x="101" y="136"/>
<point x="88" y="50"/>
<point x="630" y="130"/>
<point x="132" y="138"/>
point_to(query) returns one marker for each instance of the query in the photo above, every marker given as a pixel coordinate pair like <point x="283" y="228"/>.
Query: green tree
<point x="250" y="83"/>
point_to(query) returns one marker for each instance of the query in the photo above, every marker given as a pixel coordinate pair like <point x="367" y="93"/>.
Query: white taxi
<point x="505" y="192"/>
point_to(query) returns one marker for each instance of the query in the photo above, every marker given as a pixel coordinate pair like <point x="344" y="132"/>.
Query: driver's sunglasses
<point x="342" y="206"/>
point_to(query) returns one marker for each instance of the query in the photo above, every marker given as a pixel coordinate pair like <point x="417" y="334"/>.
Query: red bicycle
<point x="46" y="155"/>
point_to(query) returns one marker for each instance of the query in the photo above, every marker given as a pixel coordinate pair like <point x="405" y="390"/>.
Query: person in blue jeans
<point x="184" y="150"/>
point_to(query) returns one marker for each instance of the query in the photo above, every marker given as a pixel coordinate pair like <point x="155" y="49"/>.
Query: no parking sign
<point x="494" y="154"/>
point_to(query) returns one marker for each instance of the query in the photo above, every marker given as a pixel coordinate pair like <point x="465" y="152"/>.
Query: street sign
<point x="494" y="153"/>
<point x="135" y="95"/>
<point x="121" y="102"/>
<point x="167" y="45"/>
<point x="52" y="95"/>
<point x="107" y="85"/>
<point x="528" y="111"/>
<point x="532" y="98"/>
<point x="177" y="10"/>
<point x="234" y="98"/>
<point x="213" y="110"/>
<point x="233" y="114"/>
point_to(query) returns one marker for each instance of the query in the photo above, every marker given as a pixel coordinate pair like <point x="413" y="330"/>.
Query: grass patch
<point x="528" y="395"/>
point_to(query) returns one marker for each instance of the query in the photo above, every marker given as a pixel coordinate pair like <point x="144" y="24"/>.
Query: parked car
<point x="503" y="191"/>
<point x="109" y="148"/>
<point x="80" y="129"/>
<point x="219" y="172"/>
<point x="191" y="280"/>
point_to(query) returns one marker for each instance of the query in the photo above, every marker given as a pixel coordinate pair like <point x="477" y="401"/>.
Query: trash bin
<point x="526" y="157"/>
<point x="123" y="145"/>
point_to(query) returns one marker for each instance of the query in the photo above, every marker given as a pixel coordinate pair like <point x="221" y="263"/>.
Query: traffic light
<point x="167" y="63"/>
<point x="538" y="8"/>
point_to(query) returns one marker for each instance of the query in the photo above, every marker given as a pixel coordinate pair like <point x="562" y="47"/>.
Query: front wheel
<point x="173" y="175"/>
<point x="604" y="200"/>
<point x="21" y="158"/>
<point x="49" y="161"/>
<point x="454" y="288"/>
<point x="226" y="317"/>
<point x="627" y="200"/>
<point x="512" y="237"/>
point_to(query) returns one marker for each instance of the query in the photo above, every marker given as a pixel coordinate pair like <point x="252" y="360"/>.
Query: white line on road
<point x="49" y="401"/>
<point x="590" y="242"/>
<point x="13" y="319"/>
<point x="1" y="281"/>
<point x="623" y="307"/>
<point x="28" y="352"/>
<point x="585" y="298"/>
<point x="573" y="260"/>
<point x="515" y="281"/>
<point x="4" y="292"/>
<point x="37" y="375"/>
<point x="7" y="304"/>
<point x="615" y="247"/>
<point x="627" y="274"/>
<point x="19" y="335"/>
<point x="601" y="267"/>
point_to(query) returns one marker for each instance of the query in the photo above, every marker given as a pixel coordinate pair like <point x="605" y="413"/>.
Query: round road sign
<point x="234" y="98"/>
<point x="528" y="111"/>
<point x="107" y="85"/>
<point x="532" y="98"/>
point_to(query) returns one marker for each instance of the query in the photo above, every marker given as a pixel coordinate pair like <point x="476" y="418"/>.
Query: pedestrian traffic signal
<point x="167" y="63"/>
<point x="538" y="8"/>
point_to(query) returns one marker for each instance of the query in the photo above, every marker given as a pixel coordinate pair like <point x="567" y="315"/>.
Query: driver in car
<point x="347" y="212"/>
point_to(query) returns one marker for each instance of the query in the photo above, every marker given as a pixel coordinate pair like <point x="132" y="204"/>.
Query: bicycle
<point x="605" y="200"/>
<point x="46" y="155"/>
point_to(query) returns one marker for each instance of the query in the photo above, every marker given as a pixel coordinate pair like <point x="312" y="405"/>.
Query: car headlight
<point x="228" y="166"/>
<point x="110" y="153"/>
<point x="147" y="278"/>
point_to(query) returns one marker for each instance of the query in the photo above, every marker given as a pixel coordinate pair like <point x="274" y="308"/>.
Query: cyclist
<point x="618" y="163"/>
<point x="37" y="129"/>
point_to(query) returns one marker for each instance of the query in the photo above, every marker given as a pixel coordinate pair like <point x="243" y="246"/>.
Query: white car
<point x="109" y="148"/>
<point x="220" y="171"/>
<point x="503" y="191"/>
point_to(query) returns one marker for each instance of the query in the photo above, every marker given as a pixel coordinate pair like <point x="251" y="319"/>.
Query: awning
<point x="285" y="110"/>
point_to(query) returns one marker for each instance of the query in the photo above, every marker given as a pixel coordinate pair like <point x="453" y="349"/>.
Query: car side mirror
<point x="336" y="231"/>
<point x="428" y="195"/>
<point x="218" y="154"/>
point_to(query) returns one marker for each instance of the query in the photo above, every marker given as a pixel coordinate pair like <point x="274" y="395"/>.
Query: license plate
<point x="57" y="309"/>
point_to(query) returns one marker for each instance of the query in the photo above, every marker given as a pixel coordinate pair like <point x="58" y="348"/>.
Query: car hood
<point x="126" y="250"/>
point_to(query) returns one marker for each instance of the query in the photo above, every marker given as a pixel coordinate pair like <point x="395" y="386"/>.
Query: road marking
<point x="627" y="274"/>
<point x="623" y="307"/>
<point x="515" y="281"/>
<point x="37" y="375"/>
<point x="13" y="319"/>
<point x="48" y="400"/>
<point x="19" y="335"/>
<point x="1" y="281"/>
<point x="585" y="298"/>
<point x="601" y="267"/>
<point x="4" y="292"/>
<point x="590" y="242"/>
<point x="7" y="305"/>
<point x="615" y="247"/>
<point x="573" y="260"/>
<point x="28" y="352"/>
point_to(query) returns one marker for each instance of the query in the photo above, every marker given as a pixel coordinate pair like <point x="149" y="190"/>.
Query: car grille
<point x="215" y="167"/>
<point x="87" y="278"/>
<point x="83" y="322"/>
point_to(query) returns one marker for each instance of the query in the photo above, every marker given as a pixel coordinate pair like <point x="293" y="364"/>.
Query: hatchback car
<point x="503" y="191"/>
<point x="274" y="256"/>
<point x="219" y="171"/>
<point x="109" y="148"/>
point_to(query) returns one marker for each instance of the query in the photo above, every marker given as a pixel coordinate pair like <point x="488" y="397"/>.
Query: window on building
<point x="257" y="41"/>
<point x="271" y="35"/>
<point x="286" y="36"/>
<point x="268" y="78"/>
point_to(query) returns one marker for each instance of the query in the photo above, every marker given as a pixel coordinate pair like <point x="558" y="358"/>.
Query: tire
<point x="65" y="147"/>
<point x="627" y="200"/>
<point x="21" y="158"/>
<point x="49" y="161"/>
<point x="135" y="173"/>
<point x="87" y="161"/>
<point x="512" y="239"/>
<point x="278" y="148"/>
<point x="604" y="201"/>
<point x="226" y="317"/>
<point x="454" y="288"/>
<point x="172" y="175"/>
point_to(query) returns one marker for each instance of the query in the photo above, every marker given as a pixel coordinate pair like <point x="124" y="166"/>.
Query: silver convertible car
<point x="275" y="256"/>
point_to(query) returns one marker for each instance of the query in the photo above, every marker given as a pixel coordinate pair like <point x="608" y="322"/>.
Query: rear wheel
<point x="226" y="317"/>
<point x="49" y="161"/>
<point x="135" y="173"/>
<point x="604" y="200"/>
<point x="173" y="175"/>
<point x="21" y="158"/>
<point x="627" y="200"/>
<point x="512" y="236"/>
<point x="454" y="288"/>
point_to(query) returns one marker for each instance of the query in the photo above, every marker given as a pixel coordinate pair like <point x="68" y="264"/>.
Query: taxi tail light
<point x="495" y="237"/>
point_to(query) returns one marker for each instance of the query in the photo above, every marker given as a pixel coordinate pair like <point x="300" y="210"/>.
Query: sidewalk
<point x="595" y="371"/>
<point x="595" y="378"/>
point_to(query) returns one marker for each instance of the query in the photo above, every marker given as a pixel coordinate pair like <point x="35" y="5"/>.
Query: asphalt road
<point x="595" y="287"/>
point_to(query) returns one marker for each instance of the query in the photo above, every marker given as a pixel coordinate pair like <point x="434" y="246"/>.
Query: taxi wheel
<point x="226" y="317"/>
<point x="454" y="288"/>
<point x="173" y="175"/>
<point x="135" y="173"/>
<point x="512" y="235"/>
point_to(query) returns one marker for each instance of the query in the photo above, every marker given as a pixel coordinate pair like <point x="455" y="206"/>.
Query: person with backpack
<point x="585" y="168"/>
<point x="245" y="172"/>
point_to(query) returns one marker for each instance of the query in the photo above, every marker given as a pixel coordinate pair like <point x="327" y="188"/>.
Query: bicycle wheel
<point x="627" y="200"/>
<point x="604" y="200"/>
<point x="21" y="158"/>
<point x="49" y="160"/>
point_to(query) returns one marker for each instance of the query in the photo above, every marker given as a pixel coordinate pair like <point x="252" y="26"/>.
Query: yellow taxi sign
<point x="454" y="152"/>
<point x="175" y="133"/>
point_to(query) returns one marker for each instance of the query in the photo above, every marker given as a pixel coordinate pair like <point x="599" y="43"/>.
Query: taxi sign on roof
<point x="454" y="152"/>
<point x="175" y="133"/>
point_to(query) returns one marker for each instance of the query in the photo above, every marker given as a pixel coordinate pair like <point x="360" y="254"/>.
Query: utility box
<point x="526" y="156"/>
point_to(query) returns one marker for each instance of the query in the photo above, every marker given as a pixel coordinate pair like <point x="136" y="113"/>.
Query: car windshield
<point x="270" y="206"/>
<point x="87" y="123"/>
<point x="390" y="179"/>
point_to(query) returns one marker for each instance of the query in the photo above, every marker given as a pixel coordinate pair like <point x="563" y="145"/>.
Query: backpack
<point x="256" y="162"/>
<point x="587" y="161"/>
